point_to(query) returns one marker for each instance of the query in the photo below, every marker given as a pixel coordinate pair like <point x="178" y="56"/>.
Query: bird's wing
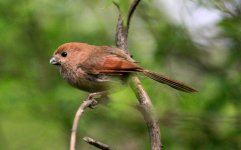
<point x="118" y="52"/>
<point x="117" y="60"/>
<point x="114" y="64"/>
<point x="109" y="60"/>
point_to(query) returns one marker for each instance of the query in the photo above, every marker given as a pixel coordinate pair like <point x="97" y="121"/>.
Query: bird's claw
<point x="95" y="97"/>
<point x="93" y="104"/>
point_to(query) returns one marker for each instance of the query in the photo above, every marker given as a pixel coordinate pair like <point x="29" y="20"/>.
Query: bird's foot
<point x="97" y="97"/>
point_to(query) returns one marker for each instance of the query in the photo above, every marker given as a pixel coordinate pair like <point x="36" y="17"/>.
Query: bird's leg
<point x="98" y="97"/>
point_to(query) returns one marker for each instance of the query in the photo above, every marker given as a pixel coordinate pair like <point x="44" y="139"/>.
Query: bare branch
<point x="88" y="102"/>
<point x="121" y="34"/>
<point x="149" y="116"/>
<point x="96" y="143"/>
<point x="121" y="29"/>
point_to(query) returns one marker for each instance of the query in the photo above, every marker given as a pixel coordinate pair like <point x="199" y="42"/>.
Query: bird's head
<point x="70" y="54"/>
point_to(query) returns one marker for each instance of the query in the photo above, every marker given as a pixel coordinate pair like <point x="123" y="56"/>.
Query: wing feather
<point x="117" y="63"/>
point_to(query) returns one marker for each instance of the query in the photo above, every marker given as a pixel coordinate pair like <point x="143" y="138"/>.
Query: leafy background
<point x="37" y="106"/>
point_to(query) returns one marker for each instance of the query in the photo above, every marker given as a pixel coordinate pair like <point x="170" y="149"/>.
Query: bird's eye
<point x="63" y="54"/>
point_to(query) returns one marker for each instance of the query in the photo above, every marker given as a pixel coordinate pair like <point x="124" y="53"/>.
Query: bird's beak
<point x="54" y="61"/>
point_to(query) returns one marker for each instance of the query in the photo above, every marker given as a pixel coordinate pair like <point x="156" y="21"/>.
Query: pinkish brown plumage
<point x="98" y="68"/>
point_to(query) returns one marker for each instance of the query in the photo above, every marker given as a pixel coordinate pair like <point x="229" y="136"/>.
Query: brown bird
<point x="97" y="68"/>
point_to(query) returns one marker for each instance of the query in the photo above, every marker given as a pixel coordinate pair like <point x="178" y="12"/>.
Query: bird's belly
<point x="84" y="84"/>
<point x="91" y="86"/>
<point x="91" y="83"/>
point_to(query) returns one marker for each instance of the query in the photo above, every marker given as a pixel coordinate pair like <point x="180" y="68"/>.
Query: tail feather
<point x="165" y="80"/>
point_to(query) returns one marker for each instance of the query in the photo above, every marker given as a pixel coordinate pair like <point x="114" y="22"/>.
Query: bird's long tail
<point x="165" y="80"/>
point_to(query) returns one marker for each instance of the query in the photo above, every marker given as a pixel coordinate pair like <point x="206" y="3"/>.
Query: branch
<point x="96" y="143"/>
<point x="88" y="102"/>
<point x="131" y="11"/>
<point x="146" y="107"/>
<point x="121" y="35"/>
<point x="122" y="30"/>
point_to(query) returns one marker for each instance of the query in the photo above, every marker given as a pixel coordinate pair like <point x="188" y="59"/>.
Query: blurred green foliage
<point x="37" y="107"/>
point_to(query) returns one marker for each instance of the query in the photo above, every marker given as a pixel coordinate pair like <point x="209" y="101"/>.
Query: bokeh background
<point x="197" y="42"/>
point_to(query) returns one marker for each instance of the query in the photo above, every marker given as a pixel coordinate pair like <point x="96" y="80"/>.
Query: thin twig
<point x="131" y="12"/>
<point x="96" y="143"/>
<point x="86" y="103"/>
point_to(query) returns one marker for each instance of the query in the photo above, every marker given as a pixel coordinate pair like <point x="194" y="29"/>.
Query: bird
<point x="95" y="69"/>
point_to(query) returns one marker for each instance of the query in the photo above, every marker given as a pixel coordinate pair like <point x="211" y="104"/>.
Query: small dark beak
<point x="54" y="61"/>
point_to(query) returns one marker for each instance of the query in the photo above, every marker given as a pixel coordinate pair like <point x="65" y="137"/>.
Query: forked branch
<point x="145" y="105"/>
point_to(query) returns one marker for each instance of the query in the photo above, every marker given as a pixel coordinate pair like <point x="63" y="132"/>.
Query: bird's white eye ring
<point x="63" y="54"/>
